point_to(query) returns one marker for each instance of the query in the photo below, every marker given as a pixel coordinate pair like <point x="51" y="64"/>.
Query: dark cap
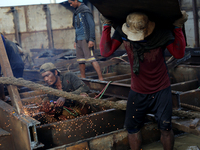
<point x="48" y="67"/>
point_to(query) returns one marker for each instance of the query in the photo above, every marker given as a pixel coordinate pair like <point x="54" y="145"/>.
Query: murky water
<point x="182" y="142"/>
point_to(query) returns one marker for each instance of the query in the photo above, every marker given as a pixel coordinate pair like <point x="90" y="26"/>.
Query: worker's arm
<point x="91" y="24"/>
<point x="108" y="45"/>
<point x="177" y="48"/>
<point x="78" y="85"/>
<point x="60" y="102"/>
<point x="82" y="89"/>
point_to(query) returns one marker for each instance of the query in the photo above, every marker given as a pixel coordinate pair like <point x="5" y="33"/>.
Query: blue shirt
<point x="79" y="31"/>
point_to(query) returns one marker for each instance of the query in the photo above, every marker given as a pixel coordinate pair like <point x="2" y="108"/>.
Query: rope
<point x="110" y="104"/>
<point x="190" y="107"/>
<point x="186" y="114"/>
<point x="48" y="90"/>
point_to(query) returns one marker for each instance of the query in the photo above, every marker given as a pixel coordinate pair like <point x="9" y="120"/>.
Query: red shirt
<point x="153" y="74"/>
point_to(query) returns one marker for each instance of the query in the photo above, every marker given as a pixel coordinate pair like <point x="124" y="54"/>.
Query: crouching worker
<point x="68" y="82"/>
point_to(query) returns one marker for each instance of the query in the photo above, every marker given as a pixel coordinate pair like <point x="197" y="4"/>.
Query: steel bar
<point x="124" y="81"/>
<point x="185" y="86"/>
<point x="118" y="77"/>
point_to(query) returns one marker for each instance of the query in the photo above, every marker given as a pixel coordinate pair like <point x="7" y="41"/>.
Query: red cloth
<point x="153" y="74"/>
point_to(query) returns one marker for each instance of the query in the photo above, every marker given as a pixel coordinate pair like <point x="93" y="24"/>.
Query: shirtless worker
<point x="150" y="83"/>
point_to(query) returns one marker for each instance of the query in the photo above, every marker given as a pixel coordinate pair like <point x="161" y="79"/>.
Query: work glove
<point x="104" y="20"/>
<point x="179" y="23"/>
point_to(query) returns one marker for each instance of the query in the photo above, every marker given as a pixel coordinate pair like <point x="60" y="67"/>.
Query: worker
<point x="16" y="63"/>
<point x="26" y="58"/>
<point x="85" y="36"/>
<point x="68" y="82"/>
<point x="150" y="83"/>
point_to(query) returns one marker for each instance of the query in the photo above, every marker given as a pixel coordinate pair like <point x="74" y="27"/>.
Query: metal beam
<point x="118" y="77"/>
<point x="185" y="86"/>
<point x="73" y="130"/>
<point x="191" y="97"/>
<point x="21" y="127"/>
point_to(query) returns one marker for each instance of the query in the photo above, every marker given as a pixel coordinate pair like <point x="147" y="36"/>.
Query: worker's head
<point x="49" y="73"/>
<point x="75" y="3"/>
<point x="137" y="26"/>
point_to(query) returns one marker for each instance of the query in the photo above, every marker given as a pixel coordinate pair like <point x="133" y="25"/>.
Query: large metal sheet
<point x="165" y="11"/>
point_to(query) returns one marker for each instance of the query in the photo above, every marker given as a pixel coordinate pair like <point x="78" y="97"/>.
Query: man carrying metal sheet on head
<point x="150" y="84"/>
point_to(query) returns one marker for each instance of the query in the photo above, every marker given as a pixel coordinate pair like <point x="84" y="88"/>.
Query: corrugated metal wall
<point x="50" y="26"/>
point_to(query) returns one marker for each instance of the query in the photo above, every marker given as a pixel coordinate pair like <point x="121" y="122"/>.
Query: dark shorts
<point x="83" y="53"/>
<point x="138" y="105"/>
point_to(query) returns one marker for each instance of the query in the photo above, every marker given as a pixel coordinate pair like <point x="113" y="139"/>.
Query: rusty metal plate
<point x="65" y="132"/>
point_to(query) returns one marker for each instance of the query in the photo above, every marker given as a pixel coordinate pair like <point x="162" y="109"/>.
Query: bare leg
<point x="135" y="140"/>
<point x="82" y="70"/>
<point x="98" y="69"/>
<point x="167" y="139"/>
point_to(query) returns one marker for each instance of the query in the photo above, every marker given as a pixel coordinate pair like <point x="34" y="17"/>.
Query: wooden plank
<point x="164" y="12"/>
<point x="194" y="123"/>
